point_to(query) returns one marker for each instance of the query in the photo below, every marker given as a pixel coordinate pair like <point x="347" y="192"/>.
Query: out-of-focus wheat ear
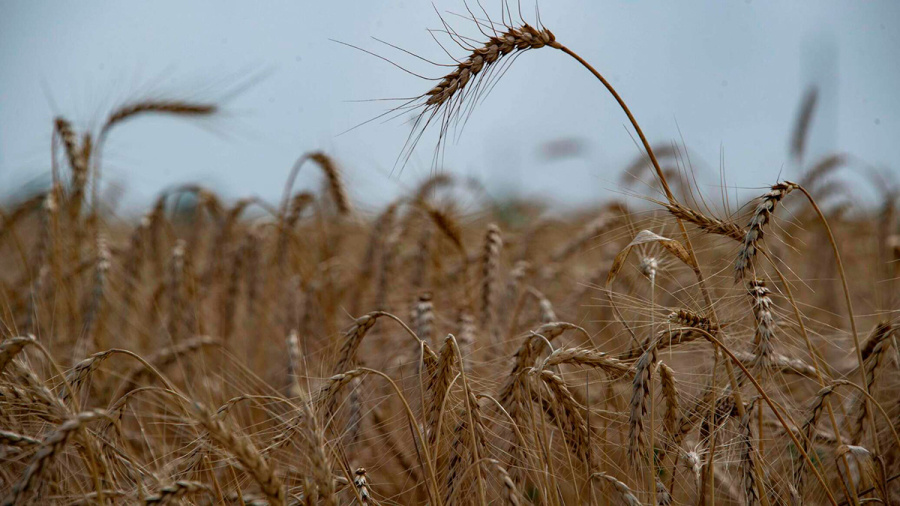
<point x="164" y="358"/>
<point x="80" y="168"/>
<point x="873" y="353"/>
<point x="245" y="452"/>
<point x="93" y="318"/>
<point x="294" y="359"/>
<point x="20" y="441"/>
<point x="448" y="226"/>
<point x="620" y="488"/>
<point x="548" y="315"/>
<point x="63" y="130"/>
<point x="299" y="202"/>
<point x="175" y="297"/>
<point x="49" y="449"/>
<point x="663" y="497"/>
<point x="335" y="184"/>
<point x="176" y="491"/>
<point x="423" y="318"/>
<point x="466" y="330"/>
<point x="748" y="459"/>
<point x="387" y="268"/>
<point x="589" y="233"/>
<point x="217" y="260"/>
<point x="44" y="255"/>
<point x="132" y="270"/>
<point x="756" y="228"/>
<point x="804" y="120"/>
<point x="490" y="277"/>
<point x="229" y="297"/>
<point x="11" y="347"/>
<point x="764" y="336"/>
<point x="253" y="272"/>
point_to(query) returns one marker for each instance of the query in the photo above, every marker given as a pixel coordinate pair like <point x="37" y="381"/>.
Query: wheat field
<point x="669" y="347"/>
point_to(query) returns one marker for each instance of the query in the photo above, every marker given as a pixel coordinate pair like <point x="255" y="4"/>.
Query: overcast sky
<point x="729" y="75"/>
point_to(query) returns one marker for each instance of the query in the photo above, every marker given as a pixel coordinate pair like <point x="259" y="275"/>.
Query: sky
<point x="724" y="79"/>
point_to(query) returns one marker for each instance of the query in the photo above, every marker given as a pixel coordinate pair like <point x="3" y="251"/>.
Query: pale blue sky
<point x="730" y="74"/>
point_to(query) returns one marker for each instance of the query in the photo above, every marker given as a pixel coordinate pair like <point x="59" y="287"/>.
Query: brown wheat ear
<point x="761" y="217"/>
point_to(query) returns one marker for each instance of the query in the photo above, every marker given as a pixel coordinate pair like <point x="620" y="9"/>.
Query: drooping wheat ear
<point x="640" y="399"/>
<point x="864" y="459"/>
<point x="335" y="184"/>
<point x="328" y="392"/>
<point x="873" y="353"/>
<point x="8" y="438"/>
<point x="587" y="357"/>
<point x="362" y="486"/>
<point x="512" y="493"/>
<point x="670" y="393"/>
<point x="169" y="107"/>
<point x="682" y="322"/>
<point x="765" y="322"/>
<point x="438" y="385"/>
<point x="176" y="491"/>
<point x="694" y="464"/>
<point x="705" y="223"/>
<point x="621" y="489"/>
<point x="50" y="447"/>
<point x="294" y="358"/>
<point x="524" y="358"/>
<point x="446" y="99"/>
<point x="82" y="370"/>
<point x="778" y="362"/>
<point x="11" y="347"/>
<point x="589" y="233"/>
<point x="755" y="229"/>
<point x="166" y="357"/>
<point x="749" y="462"/>
<point x="244" y="451"/>
<point x="569" y="411"/>
<point x="490" y="277"/>
<point x="352" y="339"/>
<point x="808" y="430"/>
